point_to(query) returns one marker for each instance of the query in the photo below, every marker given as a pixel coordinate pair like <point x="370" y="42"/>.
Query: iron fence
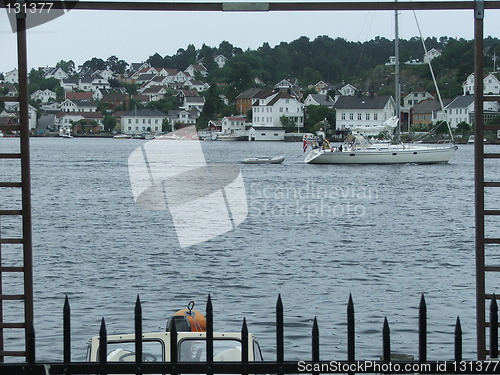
<point x="385" y="364"/>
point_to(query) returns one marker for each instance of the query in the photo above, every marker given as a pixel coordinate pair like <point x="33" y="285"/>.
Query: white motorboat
<point x="471" y="140"/>
<point x="191" y="341"/>
<point x="359" y="150"/>
<point x="265" y="160"/>
<point x="122" y="136"/>
<point x="229" y="137"/>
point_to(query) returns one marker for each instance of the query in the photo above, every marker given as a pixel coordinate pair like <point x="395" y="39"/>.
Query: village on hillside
<point x="90" y="104"/>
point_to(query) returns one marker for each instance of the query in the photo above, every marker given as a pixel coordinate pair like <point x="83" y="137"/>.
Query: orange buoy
<point x="188" y="320"/>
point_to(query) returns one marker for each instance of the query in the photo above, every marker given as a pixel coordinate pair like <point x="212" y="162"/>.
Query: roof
<point x="427" y="106"/>
<point x="194" y="99"/>
<point x="236" y="118"/>
<point x="79" y="95"/>
<point x="362" y="102"/>
<point x="322" y="99"/>
<point x="267" y="128"/>
<point x="461" y="101"/>
<point x="249" y="94"/>
<point x="82" y="114"/>
<point x="144" y="112"/>
<point x="146" y="77"/>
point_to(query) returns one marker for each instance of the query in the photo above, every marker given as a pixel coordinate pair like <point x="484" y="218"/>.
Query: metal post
<point x="22" y="62"/>
<point x="479" y="178"/>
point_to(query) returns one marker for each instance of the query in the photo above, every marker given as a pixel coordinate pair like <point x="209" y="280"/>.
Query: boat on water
<point x="190" y="325"/>
<point x="264" y="160"/>
<point x="65" y="133"/>
<point x="122" y="136"/>
<point x="228" y="137"/>
<point x="357" y="149"/>
<point x="471" y="140"/>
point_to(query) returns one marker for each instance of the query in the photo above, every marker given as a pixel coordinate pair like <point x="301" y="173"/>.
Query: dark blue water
<point x="314" y="234"/>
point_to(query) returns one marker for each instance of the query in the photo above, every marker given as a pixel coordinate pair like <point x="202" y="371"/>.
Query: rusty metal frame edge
<point x="477" y="5"/>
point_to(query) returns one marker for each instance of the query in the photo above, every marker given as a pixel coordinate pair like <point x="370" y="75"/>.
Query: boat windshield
<point x="124" y="351"/>
<point x="195" y="350"/>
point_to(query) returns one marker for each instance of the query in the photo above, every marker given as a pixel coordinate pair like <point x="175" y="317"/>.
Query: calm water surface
<point x="314" y="234"/>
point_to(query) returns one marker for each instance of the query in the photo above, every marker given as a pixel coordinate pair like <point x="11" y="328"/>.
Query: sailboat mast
<point x="397" y="92"/>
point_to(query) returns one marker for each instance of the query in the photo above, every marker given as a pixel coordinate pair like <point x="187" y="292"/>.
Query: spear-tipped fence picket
<point x="313" y="365"/>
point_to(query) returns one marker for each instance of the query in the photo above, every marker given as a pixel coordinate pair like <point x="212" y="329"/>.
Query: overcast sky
<point x="134" y="36"/>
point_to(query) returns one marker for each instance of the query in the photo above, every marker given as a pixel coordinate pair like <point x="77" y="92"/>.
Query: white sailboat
<point x="356" y="149"/>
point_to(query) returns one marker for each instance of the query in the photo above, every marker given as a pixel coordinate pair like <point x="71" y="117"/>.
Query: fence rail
<point x="313" y="364"/>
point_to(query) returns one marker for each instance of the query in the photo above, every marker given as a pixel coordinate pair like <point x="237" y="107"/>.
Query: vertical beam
<point x="315" y="343"/>
<point x="22" y="62"/>
<point x="280" y="342"/>
<point x="66" y="332"/>
<point x="422" y="330"/>
<point x="493" y="328"/>
<point x="458" y="341"/>
<point x="479" y="178"/>
<point x="138" y="335"/>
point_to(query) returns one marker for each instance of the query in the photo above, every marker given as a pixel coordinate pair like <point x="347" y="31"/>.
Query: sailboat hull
<point x="408" y="155"/>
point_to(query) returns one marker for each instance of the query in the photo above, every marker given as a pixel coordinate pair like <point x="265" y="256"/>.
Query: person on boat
<point x="305" y="142"/>
<point x="321" y="138"/>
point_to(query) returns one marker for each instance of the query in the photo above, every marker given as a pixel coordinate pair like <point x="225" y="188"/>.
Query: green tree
<point x="213" y="106"/>
<point x="463" y="128"/>
<point x="319" y="113"/>
<point x="90" y="66"/>
<point x="288" y="124"/>
<point x="116" y="65"/>
<point x="67" y="66"/>
<point x="109" y="123"/>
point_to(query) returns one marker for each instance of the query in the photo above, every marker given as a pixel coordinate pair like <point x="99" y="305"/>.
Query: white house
<point x="220" y="60"/>
<point x="431" y="54"/>
<point x="196" y="85"/>
<point x="415" y="97"/>
<point x="192" y="69"/>
<point x="362" y="112"/>
<point x="265" y="133"/>
<point x="319" y="99"/>
<point x="193" y="102"/>
<point x="11" y="89"/>
<point x="348" y="90"/>
<point x="69" y="84"/>
<point x="234" y="125"/>
<point x="138" y="121"/>
<point x="181" y="116"/>
<point x="43" y="95"/>
<point x="155" y="93"/>
<point x="78" y="106"/>
<point x="67" y="119"/>
<point x="270" y="107"/>
<point x="93" y="83"/>
<point x="57" y="73"/>
<point x="11" y="76"/>
<point x="107" y="74"/>
<point x="461" y="109"/>
<point x="12" y="110"/>
<point x="491" y="85"/>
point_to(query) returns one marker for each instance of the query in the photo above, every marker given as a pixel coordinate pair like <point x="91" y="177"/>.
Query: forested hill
<point x="332" y="60"/>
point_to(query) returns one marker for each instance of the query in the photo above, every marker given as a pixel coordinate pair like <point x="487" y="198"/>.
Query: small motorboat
<point x="265" y="160"/>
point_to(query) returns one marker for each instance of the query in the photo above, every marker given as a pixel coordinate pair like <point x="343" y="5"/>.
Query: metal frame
<point x="478" y="6"/>
<point x="388" y="362"/>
